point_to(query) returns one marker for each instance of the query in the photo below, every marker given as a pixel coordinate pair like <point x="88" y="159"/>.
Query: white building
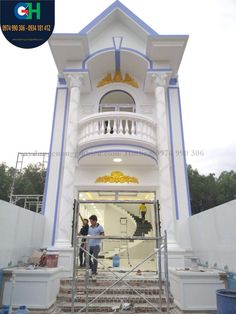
<point x="117" y="97"/>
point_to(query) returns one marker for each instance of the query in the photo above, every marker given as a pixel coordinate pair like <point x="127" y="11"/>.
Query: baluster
<point x="102" y="127"/>
<point x="115" y="126"/>
<point x="108" y="127"/>
<point x="126" y="126"/>
<point x="132" y="127"/>
<point x="120" y="126"/>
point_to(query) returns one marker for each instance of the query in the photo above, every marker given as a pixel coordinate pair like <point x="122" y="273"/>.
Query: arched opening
<point x="117" y="100"/>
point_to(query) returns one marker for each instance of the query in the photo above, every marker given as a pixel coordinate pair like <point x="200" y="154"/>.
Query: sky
<point x="206" y="77"/>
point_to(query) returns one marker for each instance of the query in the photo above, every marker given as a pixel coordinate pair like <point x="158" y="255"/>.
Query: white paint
<point x="65" y="213"/>
<point x="213" y="235"/>
<point x="166" y="193"/>
<point x="178" y="153"/>
<point x="53" y="170"/>
<point x="37" y="289"/>
<point x="195" y="291"/>
<point x="21" y="232"/>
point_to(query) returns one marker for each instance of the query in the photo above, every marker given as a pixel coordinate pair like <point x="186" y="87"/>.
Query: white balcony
<point x="117" y="128"/>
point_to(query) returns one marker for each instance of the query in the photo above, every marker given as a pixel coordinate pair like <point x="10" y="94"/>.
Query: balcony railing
<point x="111" y="125"/>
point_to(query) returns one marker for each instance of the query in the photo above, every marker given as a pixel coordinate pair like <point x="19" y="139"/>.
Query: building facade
<point x="117" y="127"/>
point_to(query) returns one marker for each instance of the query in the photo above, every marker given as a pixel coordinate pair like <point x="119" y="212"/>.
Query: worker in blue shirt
<point x="95" y="229"/>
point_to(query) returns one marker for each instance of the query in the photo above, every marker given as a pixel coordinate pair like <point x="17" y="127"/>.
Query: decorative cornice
<point x="159" y="79"/>
<point x="117" y="78"/>
<point x="74" y="79"/>
<point x="117" y="177"/>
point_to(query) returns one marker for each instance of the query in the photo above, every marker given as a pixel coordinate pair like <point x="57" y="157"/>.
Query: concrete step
<point x="107" y="308"/>
<point x="115" y="290"/>
<point x="114" y="298"/>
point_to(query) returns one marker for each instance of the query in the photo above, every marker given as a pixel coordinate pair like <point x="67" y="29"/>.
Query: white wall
<point x="21" y="231"/>
<point x="213" y="235"/>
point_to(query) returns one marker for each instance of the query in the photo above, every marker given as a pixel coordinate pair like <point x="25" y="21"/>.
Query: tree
<point x="5" y="181"/>
<point x="29" y="181"/>
<point x="226" y="187"/>
<point x="208" y="191"/>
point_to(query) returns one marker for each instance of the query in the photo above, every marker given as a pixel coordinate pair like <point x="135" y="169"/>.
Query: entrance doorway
<point x="119" y="212"/>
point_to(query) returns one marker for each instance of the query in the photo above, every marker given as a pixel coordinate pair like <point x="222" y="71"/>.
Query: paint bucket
<point x="52" y="259"/>
<point x="226" y="301"/>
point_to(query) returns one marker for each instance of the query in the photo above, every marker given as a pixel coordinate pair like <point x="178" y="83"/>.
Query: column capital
<point x="159" y="79"/>
<point x="74" y="79"/>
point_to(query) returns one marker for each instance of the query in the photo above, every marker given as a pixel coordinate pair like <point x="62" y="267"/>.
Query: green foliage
<point x="29" y="181"/>
<point x="209" y="191"/>
<point x="6" y="174"/>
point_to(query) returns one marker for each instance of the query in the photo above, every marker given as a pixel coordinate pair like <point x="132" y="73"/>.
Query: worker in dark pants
<point x="83" y="232"/>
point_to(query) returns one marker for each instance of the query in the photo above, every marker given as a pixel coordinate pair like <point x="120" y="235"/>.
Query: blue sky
<point x="206" y="76"/>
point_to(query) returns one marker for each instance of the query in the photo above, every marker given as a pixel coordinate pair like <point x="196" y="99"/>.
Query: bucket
<point x="52" y="259"/>
<point x="116" y="261"/>
<point x="226" y="301"/>
<point x="22" y="310"/>
<point x="5" y="309"/>
<point x="231" y="281"/>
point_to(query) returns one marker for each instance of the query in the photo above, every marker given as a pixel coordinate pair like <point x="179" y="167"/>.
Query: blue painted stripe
<point x="172" y="158"/>
<point x="60" y="171"/>
<point x="119" y="151"/>
<point x="111" y="49"/>
<point x="117" y="60"/>
<point x="50" y="153"/>
<point x="185" y="162"/>
<point x="121" y="144"/>
<point x="118" y="5"/>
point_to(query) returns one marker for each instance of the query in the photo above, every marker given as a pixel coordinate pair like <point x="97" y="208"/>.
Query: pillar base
<point x="65" y="259"/>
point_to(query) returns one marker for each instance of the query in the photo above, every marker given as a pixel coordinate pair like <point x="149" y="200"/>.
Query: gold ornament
<point x="117" y="78"/>
<point x="117" y="177"/>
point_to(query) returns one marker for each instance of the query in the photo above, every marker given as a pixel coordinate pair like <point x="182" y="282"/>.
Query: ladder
<point x="124" y="233"/>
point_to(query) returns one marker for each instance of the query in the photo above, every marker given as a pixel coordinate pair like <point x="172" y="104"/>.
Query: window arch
<point x="117" y="100"/>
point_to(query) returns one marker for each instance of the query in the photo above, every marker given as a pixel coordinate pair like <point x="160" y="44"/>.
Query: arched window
<point x="117" y="100"/>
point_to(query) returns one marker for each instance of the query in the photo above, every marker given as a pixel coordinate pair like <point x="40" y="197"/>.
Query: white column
<point x="65" y="213"/>
<point x="164" y="166"/>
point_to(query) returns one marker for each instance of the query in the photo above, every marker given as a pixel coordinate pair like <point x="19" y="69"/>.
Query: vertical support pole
<point x="75" y="247"/>
<point x="166" y="272"/>
<point x="158" y="246"/>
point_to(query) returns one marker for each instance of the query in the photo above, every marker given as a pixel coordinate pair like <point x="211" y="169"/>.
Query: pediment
<point x="117" y="13"/>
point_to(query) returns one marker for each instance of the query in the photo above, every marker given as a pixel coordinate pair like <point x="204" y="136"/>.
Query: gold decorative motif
<point x="117" y="177"/>
<point x="117" y="78"/>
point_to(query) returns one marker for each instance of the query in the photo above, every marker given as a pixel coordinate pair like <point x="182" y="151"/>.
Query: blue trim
<point x="118" y="150"/>
<point x="183" y="145"/>
<point x="159" y="70"/>
<point x="50" y="153"/>
<point x="62" y="81"/>
<point x="117" y="60"/>
<point x="118" y="145"/>
<point x="60" y="171"/>
<point x="75" y="70"/>
<point x="184" y="36"/>
<point x="118" y="5"/>
<point x="173" y="81"/>
<point x="172" y="158"/>
<point x="121" y="39"/>
<point x="111" y="49"/>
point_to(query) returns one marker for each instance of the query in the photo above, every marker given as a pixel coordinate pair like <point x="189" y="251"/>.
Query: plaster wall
<point x="104" y="40"/>
<point x="178" y="154"/>
<point x="21" y="231"/>
<point x="145" y="102"/>
<point x="147" y="176"/>
<point x="55" y="163"/>
<point x="213" y="235"/>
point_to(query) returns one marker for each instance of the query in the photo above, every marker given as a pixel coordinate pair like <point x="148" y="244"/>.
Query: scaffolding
<point x="31" y="202"/>
<point x="160" y="253"/>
